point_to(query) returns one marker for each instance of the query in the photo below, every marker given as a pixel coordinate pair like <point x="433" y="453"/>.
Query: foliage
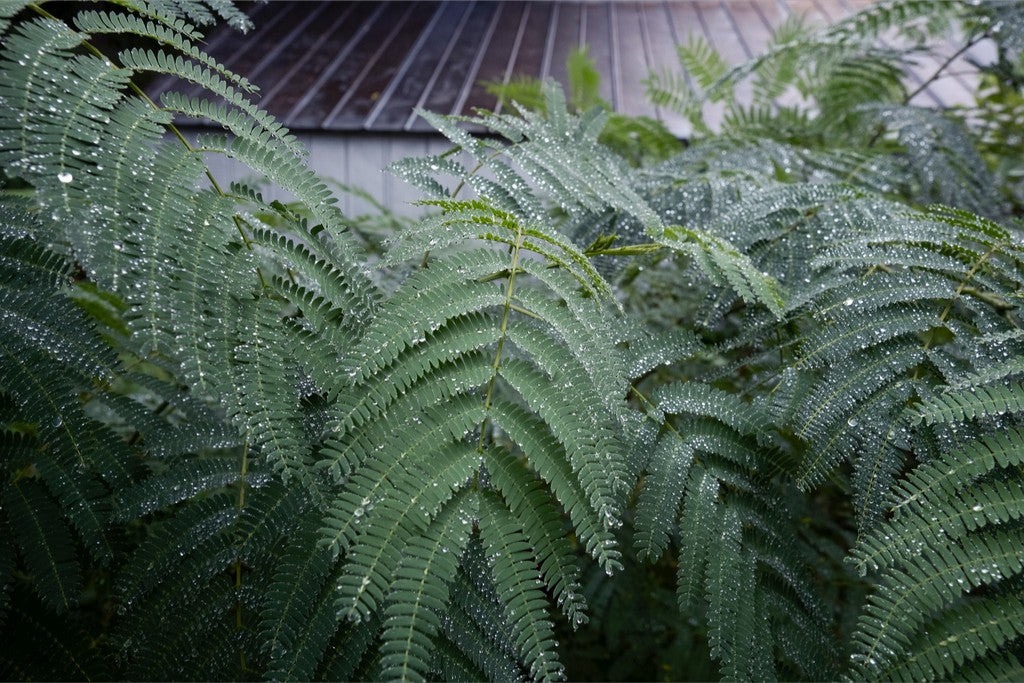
<point x="753" y="412"/>
<point x="843" y="90"/>
<point x="640" y="140"/>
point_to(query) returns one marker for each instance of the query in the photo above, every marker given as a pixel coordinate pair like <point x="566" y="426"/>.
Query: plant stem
<point x="502" y="334"/>
<point x="942" y="67"/>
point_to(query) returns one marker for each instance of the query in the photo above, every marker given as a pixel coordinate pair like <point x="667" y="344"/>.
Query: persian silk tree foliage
<point x="752" y="412"/>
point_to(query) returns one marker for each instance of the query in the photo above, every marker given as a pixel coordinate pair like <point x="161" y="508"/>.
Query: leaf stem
<point x="942" y="67"/>
<point x="513" y="270"/>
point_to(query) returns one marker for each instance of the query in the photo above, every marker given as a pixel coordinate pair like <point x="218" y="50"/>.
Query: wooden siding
<point x="357" y="160"/>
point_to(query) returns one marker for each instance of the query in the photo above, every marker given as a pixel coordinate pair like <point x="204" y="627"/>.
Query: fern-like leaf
<point x="515" y="575"/>
<point x="420" y="593"/>
<point x="974" y="403"/>
<point x="44" y="543"/>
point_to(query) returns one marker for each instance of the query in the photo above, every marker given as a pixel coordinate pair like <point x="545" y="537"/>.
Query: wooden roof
<point x="365" y="66"/>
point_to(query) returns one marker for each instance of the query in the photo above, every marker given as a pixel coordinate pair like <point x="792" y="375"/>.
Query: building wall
<point x="352" y="159"/>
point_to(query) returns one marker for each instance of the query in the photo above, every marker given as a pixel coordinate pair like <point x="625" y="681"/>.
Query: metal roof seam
<point x="350" y="92"/>
<point x="409" y="60"/>
<point x="269" y="95"/>
<point x="474" y="69"/>
<point x="549" y="43"/>
<point x="338" y="59"/>
<point x="613" y="33"/>
<point x="514" y="52"/>
<point x="441" y="63"/>
<point x="273" y="53"/>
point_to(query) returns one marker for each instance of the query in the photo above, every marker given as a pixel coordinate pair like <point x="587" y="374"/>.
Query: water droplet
<point x="65" y="177"/>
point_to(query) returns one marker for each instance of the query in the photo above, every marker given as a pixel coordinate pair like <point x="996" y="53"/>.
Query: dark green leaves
<point x="44" y="543"/>
<point x="227" y="453"/>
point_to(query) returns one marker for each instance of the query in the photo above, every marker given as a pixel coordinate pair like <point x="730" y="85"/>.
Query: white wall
<point x="352" y="159"/>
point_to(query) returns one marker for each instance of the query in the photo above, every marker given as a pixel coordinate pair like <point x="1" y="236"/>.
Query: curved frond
<point x="420" y="592"/>
<point x="906" y="595"/>
<point x="44" y="543"/>
<point x="667" y="472"/>
<point x="975" y="402"/>
<point x="515" y="575"/>
<point x="725" y="265"/>
<point x="298" y="579"/>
